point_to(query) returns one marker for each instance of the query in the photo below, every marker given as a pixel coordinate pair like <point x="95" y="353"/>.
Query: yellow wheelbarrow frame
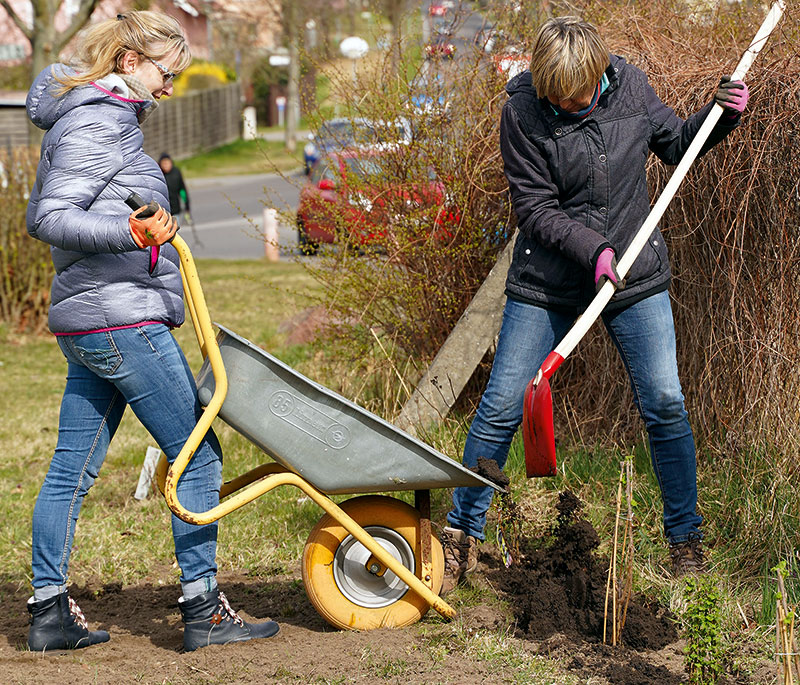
<point x="262" y="479"/>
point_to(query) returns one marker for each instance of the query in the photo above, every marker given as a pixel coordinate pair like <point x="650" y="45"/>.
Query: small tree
<point x="46" y="41"/>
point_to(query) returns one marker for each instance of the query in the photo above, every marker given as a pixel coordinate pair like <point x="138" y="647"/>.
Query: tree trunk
<point x="292" y="19"/>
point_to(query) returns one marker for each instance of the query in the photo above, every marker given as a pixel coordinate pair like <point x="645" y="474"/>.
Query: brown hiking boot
<point x="688" y="558"/>
<point x="460" y="557"/>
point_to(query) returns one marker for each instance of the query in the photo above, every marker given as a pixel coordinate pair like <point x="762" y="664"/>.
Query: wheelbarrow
<point x="371" y="561"/>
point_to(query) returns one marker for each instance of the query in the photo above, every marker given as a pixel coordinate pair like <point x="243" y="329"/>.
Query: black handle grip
<point x="134" y="201"/>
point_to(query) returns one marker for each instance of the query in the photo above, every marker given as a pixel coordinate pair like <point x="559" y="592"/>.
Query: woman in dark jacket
<point x="116" y="294"/>
<point x="575" y="135"/>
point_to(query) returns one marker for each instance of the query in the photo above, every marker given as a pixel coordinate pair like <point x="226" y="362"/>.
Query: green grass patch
<point x="243" y="157"/>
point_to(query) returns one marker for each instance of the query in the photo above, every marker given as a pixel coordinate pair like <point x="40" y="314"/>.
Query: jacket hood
<point x="523" y="82"/>
<point x="45" y="106"/>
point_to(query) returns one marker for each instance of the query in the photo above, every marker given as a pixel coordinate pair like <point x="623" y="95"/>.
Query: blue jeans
<point x="145" y="368"/>
<point x="644" y="334"/>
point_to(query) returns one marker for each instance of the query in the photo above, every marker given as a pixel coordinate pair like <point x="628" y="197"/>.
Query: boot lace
<point x="454" y="551"/>
<point x="688" y="557"/>
<point x="225" y="608"/>
<point x="75" y="610"/>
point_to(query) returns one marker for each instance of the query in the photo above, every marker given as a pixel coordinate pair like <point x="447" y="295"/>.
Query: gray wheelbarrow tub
<point x="337" y="446"/>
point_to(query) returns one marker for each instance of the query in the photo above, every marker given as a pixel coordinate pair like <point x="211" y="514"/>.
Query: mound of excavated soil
<point x="559" y="586"/>
<point x="557" y="592"/>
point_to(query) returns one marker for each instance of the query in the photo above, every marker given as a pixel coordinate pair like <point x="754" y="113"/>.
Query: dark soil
<point x="557" y="587"/>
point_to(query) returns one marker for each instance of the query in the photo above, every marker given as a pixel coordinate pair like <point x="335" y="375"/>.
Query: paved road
<point x="228" y="214"/>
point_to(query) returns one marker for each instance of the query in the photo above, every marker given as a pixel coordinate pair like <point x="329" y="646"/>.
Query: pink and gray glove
<point x="606" y="268"/>
<point x="732" y="95"/>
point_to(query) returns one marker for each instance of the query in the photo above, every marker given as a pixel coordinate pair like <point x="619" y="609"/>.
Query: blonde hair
<point x="102" y="46"/>
<point x="569" y="57"/>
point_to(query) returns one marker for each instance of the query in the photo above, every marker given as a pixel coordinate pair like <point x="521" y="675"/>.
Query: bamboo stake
<point x="614" y="560"/>
<point x="628" y="589"/>
<point x="785" y="605"/>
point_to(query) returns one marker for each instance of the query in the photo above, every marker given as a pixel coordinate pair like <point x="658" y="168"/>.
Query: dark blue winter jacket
<point x="579" y="186"/>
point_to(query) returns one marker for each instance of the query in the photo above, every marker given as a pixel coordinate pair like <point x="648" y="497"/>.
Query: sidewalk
<point x="277" y="136"/>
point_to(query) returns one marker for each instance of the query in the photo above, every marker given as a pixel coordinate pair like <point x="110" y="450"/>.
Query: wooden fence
<point x="180" y="126"/>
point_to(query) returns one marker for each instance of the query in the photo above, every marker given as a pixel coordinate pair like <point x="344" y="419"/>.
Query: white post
<point x="147" y="474"/>
<point x="271" y="251"/>
<point x="249" y="123"/>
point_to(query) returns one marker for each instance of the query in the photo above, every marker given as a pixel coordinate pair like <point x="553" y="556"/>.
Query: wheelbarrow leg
<point x="422" y="502"/>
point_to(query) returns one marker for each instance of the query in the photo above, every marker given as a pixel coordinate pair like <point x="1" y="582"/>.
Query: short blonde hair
<point x="569" y="57"/>
<point x="102" y="46"/>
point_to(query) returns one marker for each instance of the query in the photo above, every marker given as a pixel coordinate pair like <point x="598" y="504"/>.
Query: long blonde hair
<point x="102" y="46"/>
<point x="569" y="57"/>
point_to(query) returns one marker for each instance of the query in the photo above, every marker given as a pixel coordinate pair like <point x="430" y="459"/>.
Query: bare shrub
<point x="732" y="230"/>
<point x="25" y="267"/>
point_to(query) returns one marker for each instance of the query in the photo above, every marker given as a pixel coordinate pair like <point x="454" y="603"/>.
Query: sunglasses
<point x="166" y="74"/>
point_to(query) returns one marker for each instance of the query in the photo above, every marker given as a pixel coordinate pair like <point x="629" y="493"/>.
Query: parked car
<point x="358" y="132"/>
<point x="347" y="198"/>
<point x="437" y="9"/>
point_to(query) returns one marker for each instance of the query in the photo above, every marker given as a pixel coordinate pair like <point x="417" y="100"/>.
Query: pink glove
<point x="732" y="95"/>
<point x="606" y="268"/>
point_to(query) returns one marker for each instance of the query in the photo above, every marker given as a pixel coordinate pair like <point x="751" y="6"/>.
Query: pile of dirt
<point x="556" y="588"/>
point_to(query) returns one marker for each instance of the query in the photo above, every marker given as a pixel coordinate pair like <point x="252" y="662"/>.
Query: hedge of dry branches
<point x="25" y="266"/>
<point x="732" y="231"/>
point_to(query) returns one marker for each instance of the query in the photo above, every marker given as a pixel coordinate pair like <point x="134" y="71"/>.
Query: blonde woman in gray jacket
<point x="116" y="294"/>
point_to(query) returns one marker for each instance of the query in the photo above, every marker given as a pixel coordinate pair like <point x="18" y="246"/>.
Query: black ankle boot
<point x="58" y="623"/>
<point x="209" y="620"/>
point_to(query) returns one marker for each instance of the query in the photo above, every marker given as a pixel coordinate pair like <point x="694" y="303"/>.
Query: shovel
<point x="537" y="412"/>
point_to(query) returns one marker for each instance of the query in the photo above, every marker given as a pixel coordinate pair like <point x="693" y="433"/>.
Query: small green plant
<point x="703" y="621"/>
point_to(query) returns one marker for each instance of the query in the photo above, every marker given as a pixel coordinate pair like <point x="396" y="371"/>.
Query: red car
<point x="347" y="198"/>
<point x="437" y="9"/>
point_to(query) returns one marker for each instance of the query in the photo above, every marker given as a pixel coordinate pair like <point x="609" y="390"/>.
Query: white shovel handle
<point x="585" y="321"/>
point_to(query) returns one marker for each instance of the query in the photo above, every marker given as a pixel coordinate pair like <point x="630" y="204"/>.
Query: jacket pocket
<point x="651" y="261"/>
<point x="539" y="270"/>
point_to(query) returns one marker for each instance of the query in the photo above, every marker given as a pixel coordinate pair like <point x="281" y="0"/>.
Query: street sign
<point x="279" y="60"/>
<point x="280" y="102"/>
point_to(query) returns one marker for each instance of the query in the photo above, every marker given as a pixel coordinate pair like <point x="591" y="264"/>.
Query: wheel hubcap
<point x="367" y="589"/>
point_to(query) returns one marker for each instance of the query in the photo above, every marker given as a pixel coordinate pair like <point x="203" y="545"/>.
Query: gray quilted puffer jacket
<point x="91" y="160"/>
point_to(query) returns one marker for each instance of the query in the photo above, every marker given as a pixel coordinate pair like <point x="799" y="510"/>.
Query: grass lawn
<point x="243" y="157"/>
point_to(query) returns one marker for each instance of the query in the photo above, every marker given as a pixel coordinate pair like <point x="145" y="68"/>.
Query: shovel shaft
<point x="598" y="304"/>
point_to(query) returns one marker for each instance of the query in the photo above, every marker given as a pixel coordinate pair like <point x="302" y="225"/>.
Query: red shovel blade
<point x="537" y="429"/>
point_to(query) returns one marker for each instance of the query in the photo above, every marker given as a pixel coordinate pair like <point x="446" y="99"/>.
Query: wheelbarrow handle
<point x="135" y="201"/>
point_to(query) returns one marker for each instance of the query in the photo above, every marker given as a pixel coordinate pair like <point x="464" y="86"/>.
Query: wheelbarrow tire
<point x="337" y="582"/>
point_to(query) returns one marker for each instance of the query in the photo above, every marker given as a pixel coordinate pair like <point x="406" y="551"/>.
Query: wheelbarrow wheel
<point x="341" y="588"/>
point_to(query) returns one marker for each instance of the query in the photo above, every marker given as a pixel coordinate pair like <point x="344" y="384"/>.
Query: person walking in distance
<point x="575" y="136"/>
<point x="178" y="193"/>
<point x="116" y="294"/>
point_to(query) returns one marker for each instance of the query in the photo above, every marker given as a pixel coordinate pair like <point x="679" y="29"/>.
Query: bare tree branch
<point x="78" y="22"/>
<point x="17" y="19"/>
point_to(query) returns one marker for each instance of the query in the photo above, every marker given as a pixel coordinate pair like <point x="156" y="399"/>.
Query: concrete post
<point x="271" y="250"/>
<point x="249" y="123"/>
